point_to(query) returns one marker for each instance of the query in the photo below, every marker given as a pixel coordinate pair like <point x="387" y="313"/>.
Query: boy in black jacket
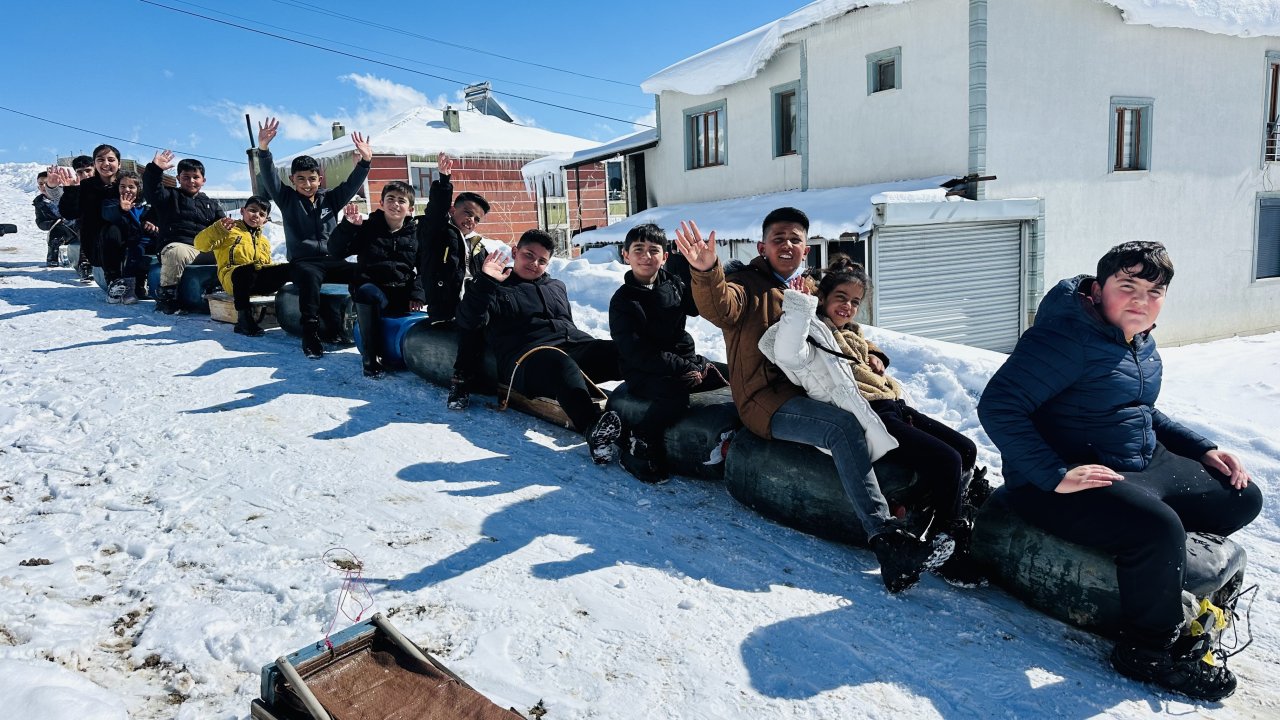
<point x="659" y="362"/>
<point x="50" y="220"/>
<point x="310" y="214"/>
<point x="180" y="214"/>
<point x="522" y="309"/>
<point x="388" y="254"/>
<point x="452" y="247"/>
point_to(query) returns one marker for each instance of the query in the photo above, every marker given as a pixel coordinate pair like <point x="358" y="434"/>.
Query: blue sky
<point x="148" y="74"/>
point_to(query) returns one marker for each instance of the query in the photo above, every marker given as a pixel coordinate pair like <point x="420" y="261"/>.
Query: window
<point x="1271" y="139"/>
<point x="706" y="136"/>
<point x="1267" y="254"/>
<point x="613" y="179"/>
<point x="884" y="70"/>
<point x="786" y="120"/>
<point x="1130" y="134"/>
<point x="421" y="175"/>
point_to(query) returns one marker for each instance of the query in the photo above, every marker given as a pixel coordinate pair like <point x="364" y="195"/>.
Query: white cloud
<point x="646" y="121"/>
<point x="167" y="73"/>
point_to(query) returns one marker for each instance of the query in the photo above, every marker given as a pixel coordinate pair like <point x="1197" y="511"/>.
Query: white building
<point x="1134" y="119"/>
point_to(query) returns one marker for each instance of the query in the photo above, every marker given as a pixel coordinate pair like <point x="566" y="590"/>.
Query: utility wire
<point x="406" y="59"/>
<point x="386" y="64"/>
<point x="119" y="139"/>
<point x="312" y="8"/>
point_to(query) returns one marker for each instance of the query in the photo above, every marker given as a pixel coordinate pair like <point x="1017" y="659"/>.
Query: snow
<point x="743" y="57"/>
<point x="832" y="212"/>
<point x="422" y="131"/>
<point x="184" y="482"/>
<point x="618" y="146"/>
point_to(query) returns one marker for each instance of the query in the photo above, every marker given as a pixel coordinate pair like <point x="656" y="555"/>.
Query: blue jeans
<point x="372" y="295"/>
<point x="810" y="422"/>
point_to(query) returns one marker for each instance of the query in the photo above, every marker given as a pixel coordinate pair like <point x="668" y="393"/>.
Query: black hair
<point x="472" y="197"/>
<point x="81" y="162"/>
<point x="1156" y="266"/>
<point x="538" y="237"/>
<point x="260" y="201"/>
<point x="98" y="150"/>
<point x="189" y="165"/>
<point x="401" y="187"/>
<point x="785" y="214"/>
<point x="43" y="174"/>
<point x="848" y="272"/>
<point x="303" y="163"/>
<point x="129" y="175"/>
<point x="646" y="232"/>
<point x="840" y="261"/>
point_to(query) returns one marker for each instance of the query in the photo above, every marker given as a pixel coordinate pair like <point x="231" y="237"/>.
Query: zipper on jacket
<point x="1142" y="389"/>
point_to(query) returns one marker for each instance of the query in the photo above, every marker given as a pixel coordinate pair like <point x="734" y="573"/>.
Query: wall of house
<point x="1054" y="66"/>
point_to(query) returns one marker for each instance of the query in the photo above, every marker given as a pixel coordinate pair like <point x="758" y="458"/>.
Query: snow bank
<point x="1242" y="18"/>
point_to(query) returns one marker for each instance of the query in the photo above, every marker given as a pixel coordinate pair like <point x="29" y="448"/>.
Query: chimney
<point x="338" y="130"/>
<point x="451" y="119"/>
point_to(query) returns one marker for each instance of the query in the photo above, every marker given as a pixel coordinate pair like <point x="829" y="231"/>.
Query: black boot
<point x="903" y="556"/>
<point x="167" y="300"/>
<point x="643" y="460"/>
<point x="370" y="318"/>
<point x="961" y="569"/>
<point x="311" y="346"/>
<point x="246" y="325"/>
<point x="1179" y="668"/>
<point x="459" y="393"/>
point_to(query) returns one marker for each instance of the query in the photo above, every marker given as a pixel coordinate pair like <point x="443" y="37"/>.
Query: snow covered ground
<point x="183" y="483"/>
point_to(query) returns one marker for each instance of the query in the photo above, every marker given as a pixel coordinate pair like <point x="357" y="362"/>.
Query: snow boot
<point x="1186" y="667"/>
<point x="167" y="300"/>
<point x="603" y="434"/>
<point x="904" y="556"/>
<point x="246" y="325"/>
<point x="977" y="488"/>
<point x="311" y="346"/>
<point x="643" y="460"/>
<point x="961" y="569"/>
<point x="459" y="396"/>
<point x="130" y="297"/>
<point x="115" y="291"/>
<point x="86" y="272"/>
<point x="370" y="318"/>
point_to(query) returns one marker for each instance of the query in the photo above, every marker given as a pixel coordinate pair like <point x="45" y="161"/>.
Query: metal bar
<point x="308" y="699"/>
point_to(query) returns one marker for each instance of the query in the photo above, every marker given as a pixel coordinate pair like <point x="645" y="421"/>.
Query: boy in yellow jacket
<point x="243" y="255"/>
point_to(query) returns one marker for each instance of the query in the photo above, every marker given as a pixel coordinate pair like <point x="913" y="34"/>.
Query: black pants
<point x="469" y="364"/>
<point x="248" y="281"/>
<point x="121" y="256"/>
<point x="58" y="236"/>
<point x="308" y="275"/>
<point x="668" y="400"/>
<point x="548" y="373"/>
<point x="937" y="453"/>
<point x="1143" y="520"/>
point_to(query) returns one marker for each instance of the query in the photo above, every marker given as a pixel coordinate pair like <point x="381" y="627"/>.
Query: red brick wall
<point x="383" y="170"/>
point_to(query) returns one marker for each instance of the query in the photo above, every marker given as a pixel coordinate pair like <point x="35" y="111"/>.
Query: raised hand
<point x="267" y="132"/>
<point x="227" y="223"/>
<point x="800" y="284"/>
<point x="164" y="159"/>
<point x="444" y="163"/>
<point x="62" y="176"/>
<point x="495" y="265"/>
<point x="351" y="213"/>
<point x="128" y="194"/>
<point x="700" y="253"/>
<point x="363" y="148"/>
<point x="1087" y="477"/>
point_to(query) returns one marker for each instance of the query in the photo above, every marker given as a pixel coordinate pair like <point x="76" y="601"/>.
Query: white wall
<point x="1053" y="67"/>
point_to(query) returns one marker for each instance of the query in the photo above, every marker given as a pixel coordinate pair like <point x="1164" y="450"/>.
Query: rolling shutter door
<point x="959" y="282"/>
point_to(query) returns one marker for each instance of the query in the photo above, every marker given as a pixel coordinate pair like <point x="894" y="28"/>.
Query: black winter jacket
<point x="648" y="326"/>
<point x="84" y="203"/>
<point x="519" y="315"/>
<point x="47" y="219"/>
<point x="307" y="223"/>
<point x="448" y="255"/>
<point x="179" y="216"/>
<point x="386" y="259"/>
<point x="1074" y="392"/>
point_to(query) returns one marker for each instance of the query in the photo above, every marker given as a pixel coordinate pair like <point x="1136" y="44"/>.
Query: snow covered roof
<point x="620" y="146"/>
<point x="744" y="56"/>
<point x="832" y="212"/>
<point x="423" y="131"/>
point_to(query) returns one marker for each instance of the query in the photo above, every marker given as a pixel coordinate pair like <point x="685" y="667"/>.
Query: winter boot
<point x="167" y="300"/>
<point x="246" y="325"/>
<point x="977" y="488"/>
<point x="115" y="291"/>
<point x="311" y="346"/>
<point x="1186" y="667"/>
<point x="86" y="272"/>
<point x="459" y="396"/>
<point x="904" y="556"/>
<point x="603" y="434"/>
<point x="961" y="569"/>
<point x="130" y="297"/>
<point x="642" y="460"/>
<point x="370" y="318"/>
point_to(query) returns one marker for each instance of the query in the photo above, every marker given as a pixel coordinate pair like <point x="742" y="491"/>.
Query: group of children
<point x="1071" y="409"/>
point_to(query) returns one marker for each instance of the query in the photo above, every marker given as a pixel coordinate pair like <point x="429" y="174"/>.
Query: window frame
<point x="875" y="60"/>
<point x="776" y="94"/>
<point x="415" y="173"/>
<point x="1146" y="109"/>
<point x="1271" y="108"/>
<point x="1273" y="199"/>
<point x="722" y="131"/>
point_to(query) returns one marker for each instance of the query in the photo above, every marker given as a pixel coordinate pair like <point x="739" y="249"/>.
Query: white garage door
<point x="959" y="282"/>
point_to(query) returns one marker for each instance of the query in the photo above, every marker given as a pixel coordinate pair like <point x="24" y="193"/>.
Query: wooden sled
<point x="222" y="308"/>
<point x="546" y="408"/>
<point x="372" y="672"/>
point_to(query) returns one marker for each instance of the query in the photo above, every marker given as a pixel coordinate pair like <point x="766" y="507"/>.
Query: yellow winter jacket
<point x="235" y="247"/>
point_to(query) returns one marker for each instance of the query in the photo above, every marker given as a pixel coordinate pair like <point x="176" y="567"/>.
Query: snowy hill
<point x="184" y="482"/>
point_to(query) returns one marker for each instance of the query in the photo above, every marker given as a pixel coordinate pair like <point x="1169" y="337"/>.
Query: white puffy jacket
<point x="823" y="376"/>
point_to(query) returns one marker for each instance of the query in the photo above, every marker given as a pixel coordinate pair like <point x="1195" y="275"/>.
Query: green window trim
<point x="1131" y="129"/>
<point x="706" y="144"/>
<point x="878" y="70"/>
<point x="778" y="95"/>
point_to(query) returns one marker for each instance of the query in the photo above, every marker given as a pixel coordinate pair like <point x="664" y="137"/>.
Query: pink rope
<point x="354" y="588"/>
